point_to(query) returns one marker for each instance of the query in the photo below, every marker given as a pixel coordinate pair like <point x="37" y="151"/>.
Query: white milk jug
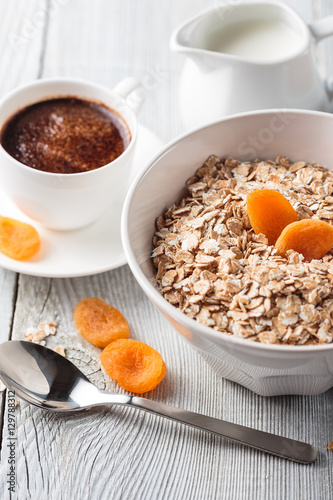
<point x="249" y="56"/>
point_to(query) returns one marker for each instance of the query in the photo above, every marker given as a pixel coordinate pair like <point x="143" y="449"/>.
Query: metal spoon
<point x="50" y="381"/>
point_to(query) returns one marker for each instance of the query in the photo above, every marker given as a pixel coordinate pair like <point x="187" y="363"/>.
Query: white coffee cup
<point x="70" y="201"/>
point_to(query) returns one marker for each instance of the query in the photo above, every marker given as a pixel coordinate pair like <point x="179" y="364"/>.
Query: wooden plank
<point x="22" y="27"/>
<point x="325" y="8"/>
<point x="20" y="44"/>
<point x="8" y="287"/>
<point x="116" y="453"/>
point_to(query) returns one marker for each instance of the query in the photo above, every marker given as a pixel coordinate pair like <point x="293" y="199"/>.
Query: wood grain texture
<point x="117" y="453"/>
<point x="325" y="8"/>
<point x="143" y="456"/>
<point x="19" y="62"/>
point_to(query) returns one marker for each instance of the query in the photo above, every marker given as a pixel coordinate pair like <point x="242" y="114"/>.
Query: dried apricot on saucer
<point x="18" y="240"/>
<point x="136" y="366"/>
<point x="269" y="212"/>
<point x="311" y="237"/>
<point x="100" y="323"/>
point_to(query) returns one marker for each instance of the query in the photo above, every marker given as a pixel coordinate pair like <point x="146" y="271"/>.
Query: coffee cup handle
<point x="131" y="90"/>
<point x="321" y="29"/>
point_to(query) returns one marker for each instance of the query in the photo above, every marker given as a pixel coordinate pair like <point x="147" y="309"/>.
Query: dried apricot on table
<point x="311" y="237"/>
<point x="269" y="212"/>
<point x="18" y="240"/>
<point x="100" y="323"/>
<point x="136" y="366"/>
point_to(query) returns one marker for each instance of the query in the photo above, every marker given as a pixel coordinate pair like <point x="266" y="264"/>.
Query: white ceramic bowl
<point x="300" y="135"/>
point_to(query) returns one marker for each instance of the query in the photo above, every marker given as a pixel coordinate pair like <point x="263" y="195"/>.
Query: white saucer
<point x="90" y="250"/>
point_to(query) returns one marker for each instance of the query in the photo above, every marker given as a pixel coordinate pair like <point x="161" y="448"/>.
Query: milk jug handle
<point x="322" y="28"/>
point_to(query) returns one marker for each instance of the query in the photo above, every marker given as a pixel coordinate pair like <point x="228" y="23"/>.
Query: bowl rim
<point x="154" y="294"/>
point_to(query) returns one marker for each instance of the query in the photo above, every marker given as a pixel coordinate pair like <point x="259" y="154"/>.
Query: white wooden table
<point x="118" y="453"/>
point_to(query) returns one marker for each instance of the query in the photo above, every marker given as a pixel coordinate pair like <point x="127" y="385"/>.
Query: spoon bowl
<point x="48" y="380"/>
<point x="43" y="377"/>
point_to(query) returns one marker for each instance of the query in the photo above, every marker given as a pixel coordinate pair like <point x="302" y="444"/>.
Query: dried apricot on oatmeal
<point x="136" y="366"/>
<point x="18" y="240"/>
<point x="269" y="212"/>
<point x="100" y="323"/>
<point x="311" y="237"/>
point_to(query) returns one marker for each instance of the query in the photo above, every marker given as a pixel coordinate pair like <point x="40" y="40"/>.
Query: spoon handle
<point x="270" y="443"/>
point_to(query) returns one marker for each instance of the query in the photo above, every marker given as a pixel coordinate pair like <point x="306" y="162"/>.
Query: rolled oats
<point x="212" y="266"/>
<point x="37" y="335"/>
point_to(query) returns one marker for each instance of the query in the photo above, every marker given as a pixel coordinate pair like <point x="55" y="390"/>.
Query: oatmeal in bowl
<point x="215" y="269"/>
<point x="256" y="303"/>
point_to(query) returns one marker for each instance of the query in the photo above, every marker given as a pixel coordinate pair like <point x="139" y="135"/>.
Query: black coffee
<point x="65" y="135"/>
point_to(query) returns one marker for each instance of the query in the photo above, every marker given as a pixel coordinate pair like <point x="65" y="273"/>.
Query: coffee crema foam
<point x="65" y="135"/>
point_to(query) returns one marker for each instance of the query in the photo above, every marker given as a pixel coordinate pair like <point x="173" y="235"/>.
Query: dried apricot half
<point x="136" y="366"/>
<point x="311" y="237"/>
<point x="18" y="240"/>
<point x="269" y="212"/>
<point x="100" y="323"/>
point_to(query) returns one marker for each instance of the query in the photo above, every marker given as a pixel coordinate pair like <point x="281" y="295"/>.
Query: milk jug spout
<point x="192" y="38"/>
